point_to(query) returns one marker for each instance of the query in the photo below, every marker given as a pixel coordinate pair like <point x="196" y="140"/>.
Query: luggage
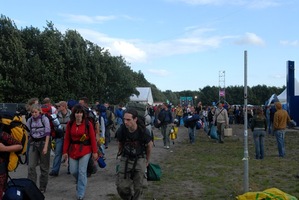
<point x="213" y="132"/>
<point x="228" y="132"/>
<point x="22" y="188"/>
<point x="153" y="172"/>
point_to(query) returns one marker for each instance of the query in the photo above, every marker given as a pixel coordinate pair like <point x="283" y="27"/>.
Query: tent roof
<point x="145" y="95"/>
<point x="282" y="97"/>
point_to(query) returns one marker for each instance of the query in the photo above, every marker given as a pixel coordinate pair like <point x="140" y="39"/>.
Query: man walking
<point x="134" y="147"/>
<point x="280" y="121"/>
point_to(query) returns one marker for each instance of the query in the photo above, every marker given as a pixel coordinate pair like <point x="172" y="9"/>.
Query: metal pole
<point x="246" y="157"/>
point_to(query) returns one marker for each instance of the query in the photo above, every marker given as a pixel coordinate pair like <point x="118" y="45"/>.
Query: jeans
<point x="165" y="130"/>
<point x="259" y="138"/>
<point x="58" y="155"/>
<point x="78" y="169"/>
<point x="270" y="128"/>
<point x="280" y="142"/>
<point x="191" y="132"/>
<point x="179" y="120"/>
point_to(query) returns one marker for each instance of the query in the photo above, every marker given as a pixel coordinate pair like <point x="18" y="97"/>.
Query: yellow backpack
<point x="12" y="123"/>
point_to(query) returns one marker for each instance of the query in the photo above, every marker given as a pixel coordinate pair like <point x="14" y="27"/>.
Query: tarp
<point x="272" y="99"/>
<point x="145" y="95"/>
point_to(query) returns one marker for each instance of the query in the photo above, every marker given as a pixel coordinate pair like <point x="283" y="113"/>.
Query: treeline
<point x="48" y="63"/>
<point x="257" y="95"/>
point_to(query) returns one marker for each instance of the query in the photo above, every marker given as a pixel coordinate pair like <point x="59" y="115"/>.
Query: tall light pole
<point x="246" y="156"/>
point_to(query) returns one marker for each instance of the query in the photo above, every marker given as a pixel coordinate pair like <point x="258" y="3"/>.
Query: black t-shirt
<point x="123" y="135"/>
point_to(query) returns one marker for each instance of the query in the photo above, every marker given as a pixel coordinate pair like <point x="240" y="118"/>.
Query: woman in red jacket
<point x="79" y="145"/>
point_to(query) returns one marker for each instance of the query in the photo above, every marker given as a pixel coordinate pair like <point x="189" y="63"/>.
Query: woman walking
<point x="39" y="149"/>
<point x="259" y="128"/>
<point x="79" y="144"/>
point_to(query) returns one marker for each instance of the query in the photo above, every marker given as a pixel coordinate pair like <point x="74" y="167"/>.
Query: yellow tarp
<point x="269" y="194"/>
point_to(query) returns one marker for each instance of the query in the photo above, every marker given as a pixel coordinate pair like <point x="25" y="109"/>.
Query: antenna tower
<point x="222" y="86"/>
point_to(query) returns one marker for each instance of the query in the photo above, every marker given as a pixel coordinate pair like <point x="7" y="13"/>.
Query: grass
<point x="208" y="170"/>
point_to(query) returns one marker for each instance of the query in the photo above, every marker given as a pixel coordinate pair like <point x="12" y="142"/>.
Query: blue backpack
<point x="103" y="113"/>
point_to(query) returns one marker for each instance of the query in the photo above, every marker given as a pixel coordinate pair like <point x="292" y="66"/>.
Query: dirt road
<point x="102" y="184"/>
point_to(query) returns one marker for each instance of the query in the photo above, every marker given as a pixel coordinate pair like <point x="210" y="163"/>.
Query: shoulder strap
<point x="219" y="112"/>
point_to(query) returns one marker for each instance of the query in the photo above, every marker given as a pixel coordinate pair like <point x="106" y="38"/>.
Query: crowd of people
<point x="83" y="141"/>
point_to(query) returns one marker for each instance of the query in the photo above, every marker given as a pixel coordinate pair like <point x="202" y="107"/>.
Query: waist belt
<point x="38" y="139"/>
<point x="85" y="142"/>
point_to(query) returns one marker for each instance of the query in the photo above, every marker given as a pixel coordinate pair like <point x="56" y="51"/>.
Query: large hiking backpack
<point x="141" y="110"/>
<point x="139" y="107"/>
<point x="56" y="128"/>
<point x="12" y="123"/>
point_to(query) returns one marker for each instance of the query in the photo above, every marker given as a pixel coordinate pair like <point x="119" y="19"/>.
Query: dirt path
<point x="102" y="184"/>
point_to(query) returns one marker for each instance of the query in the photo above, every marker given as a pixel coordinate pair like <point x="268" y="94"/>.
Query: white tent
<point x="282" y="97"/>
<point x="145" y="95"/>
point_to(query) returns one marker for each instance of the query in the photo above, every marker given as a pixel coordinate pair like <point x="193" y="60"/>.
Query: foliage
<point x="48" y="63"/>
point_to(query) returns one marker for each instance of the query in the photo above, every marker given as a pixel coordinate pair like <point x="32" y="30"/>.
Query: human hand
<point x="95" y="156"/>
<point x="45" y="150"/>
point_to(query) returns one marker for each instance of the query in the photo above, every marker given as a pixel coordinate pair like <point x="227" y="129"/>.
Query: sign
<point x="221" y="93"/>
<point x="185" y="101"/>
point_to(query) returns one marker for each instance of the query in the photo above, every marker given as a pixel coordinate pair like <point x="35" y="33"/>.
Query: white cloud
<point x="139" y="51"/>
<point x="87" y="19"/>
<point x="159" y="72"/>
<point x="129" y="51"/>
<point x="294" y="43"/>
<point x="250" y="38"/>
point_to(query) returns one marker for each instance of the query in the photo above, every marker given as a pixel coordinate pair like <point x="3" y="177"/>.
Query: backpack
<point x="107" y="115"/>
<point x="140" y="108"/>
<point x="132" y="148"/>
<point x="11" y="123"/>
<point x="91" y="166"/>
<point x="56" y="128"/>
<point x="22" y="189"/>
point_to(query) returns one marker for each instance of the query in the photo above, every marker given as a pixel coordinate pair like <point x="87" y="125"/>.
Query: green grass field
<point x="209" y="170"/>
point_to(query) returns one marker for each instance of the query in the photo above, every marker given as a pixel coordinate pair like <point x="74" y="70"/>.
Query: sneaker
<point x="167" y="147"/>
<point x="42" y="190"/>
<point x="53" y="173"/>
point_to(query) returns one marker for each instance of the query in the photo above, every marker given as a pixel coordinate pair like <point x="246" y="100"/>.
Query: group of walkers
<point x="272" y="119"/>
<point x="83" y="140"/>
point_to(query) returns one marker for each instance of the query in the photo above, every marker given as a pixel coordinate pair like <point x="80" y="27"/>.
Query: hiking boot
<point x="53" y="173"/>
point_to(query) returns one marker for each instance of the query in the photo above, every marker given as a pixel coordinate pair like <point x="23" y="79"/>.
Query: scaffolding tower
<point x="222" y="86"/>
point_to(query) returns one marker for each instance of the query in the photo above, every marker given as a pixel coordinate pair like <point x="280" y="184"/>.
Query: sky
<point x="180" y="44"/>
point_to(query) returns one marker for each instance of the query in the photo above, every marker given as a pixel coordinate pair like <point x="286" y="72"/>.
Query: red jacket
<point x="72" y="145"/>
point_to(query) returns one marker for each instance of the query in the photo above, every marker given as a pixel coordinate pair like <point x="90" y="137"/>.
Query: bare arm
<point x="148" y="151"/>
<point x="45" y="150"/>
<point x="10" y="148"/>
